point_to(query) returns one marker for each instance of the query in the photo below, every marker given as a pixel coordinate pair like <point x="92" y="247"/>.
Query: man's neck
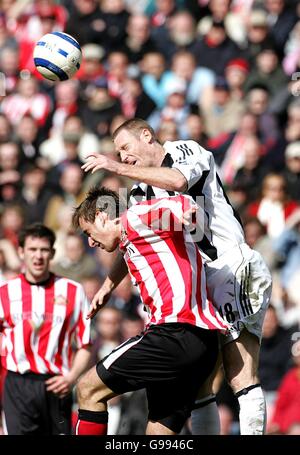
<point x="38" y="281"/>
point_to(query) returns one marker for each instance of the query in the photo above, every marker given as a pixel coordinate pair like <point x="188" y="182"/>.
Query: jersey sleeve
<point x="191" y="160"/>
<point x="83" y="327"/>
<point x="160" y="214"/>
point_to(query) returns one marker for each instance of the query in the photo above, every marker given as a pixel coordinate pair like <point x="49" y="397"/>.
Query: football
<point x="57" y="56"/>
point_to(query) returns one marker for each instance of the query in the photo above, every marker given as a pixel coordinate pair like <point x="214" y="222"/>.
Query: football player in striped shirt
<point x="179" y="347"/>
<point x="238" y="280"/>
<point x="42" y="318"/>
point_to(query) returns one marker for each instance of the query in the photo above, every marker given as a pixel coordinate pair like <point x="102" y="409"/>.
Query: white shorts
<point x="239" y="285"/>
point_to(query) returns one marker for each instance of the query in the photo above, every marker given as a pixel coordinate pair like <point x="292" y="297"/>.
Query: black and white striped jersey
<point x="221" y="225"/>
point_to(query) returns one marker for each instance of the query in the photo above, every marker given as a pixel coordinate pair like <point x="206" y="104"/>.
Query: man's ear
<point x="146" y="136"/>
<point x="117" y="220"/>
<point x="102" y="216"/>
<point x="53" y="251"/>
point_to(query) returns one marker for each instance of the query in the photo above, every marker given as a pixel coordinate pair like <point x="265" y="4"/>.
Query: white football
<point x="57" y="56"/>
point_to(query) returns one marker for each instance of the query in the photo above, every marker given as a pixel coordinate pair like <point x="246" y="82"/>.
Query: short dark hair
<point x="101" y="199"/>
<point x="135" y="126"/>
<point x="37" y="230"/>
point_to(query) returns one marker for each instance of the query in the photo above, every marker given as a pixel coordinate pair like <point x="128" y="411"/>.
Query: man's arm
<point x="62" y="385"/>
<point x="118" y="271"/>
<point x="162" y="177"/>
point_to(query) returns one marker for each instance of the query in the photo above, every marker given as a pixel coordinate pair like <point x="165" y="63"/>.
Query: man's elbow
<point x="180" y="185"/>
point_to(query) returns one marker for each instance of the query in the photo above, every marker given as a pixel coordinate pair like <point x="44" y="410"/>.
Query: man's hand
<point x="189" y="219"/>
<point x="97" y="161"/>
<point x="60" y="385"/>
<point x="99" y="300"/>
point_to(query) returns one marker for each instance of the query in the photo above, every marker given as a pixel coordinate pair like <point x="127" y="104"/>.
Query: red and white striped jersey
<point x="166" y="265"/>
<point x="41" y="323"/>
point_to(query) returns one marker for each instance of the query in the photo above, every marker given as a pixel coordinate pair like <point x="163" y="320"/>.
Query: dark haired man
<point x="41" y="316"/>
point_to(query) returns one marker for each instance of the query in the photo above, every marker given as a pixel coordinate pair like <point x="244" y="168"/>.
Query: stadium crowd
<point x="225" y="73"/>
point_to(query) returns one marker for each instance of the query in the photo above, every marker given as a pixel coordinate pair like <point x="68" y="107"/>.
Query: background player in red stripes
<point x="41" y="316"/>
<point x="179" y="348"/>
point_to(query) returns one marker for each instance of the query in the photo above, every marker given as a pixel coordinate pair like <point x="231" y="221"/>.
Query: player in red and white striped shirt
<point x="41" y="316"/>
<point x="179" y="348"/>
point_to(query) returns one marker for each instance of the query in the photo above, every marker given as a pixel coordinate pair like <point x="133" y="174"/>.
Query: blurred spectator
<point x="91" y="285"/>
<point x="274" y="208"/>
<point x="193" y="129"/>
<point x="91" y="67"/>
<point x="291" y="60"/>
<point x="115" y="17"/>
<point x="12" y="220"/>
<point x="28" y="139"/>
<point x="76" y="263"/>
<point x="199" y="81"/>
<point x="108" y="333"/>
<point x="117" y="70"/>
<point x="216" y="49"/>
<point x="34" y="195"/>
<point x="250" y="170"/>
<point x="55" y="150"/>
<point x="180" y="33"/>
<point x="176" y="109"/>
<point x="287" y="406"/>
<point x="131" y="325"/>
<point x="267" y="72"/>
<point x="167" y="131"/>
<point x="9" y="260"/>
<point x="236" y="73"/>
<point x="85" y="22"/>
<point x="291" y="172"/>
<point x="6" y="39"/>
<point x="138" y="41"/>
<point x="27" y="100"/>
<point x="9" y="65"/>
<point x="66" y="103"/>
<point x="5" y="129"/>
<point x="42" y="16"/>
<point x="221" y="11"/>
<point x="222" y="144"/>
<point x="134" y="101"/>
<point x="258" y="103"/>
<point x="155" y="78"/>
<point x="258" y="34"/>
<point x="281" y="19"/>
<point x="287" y="248"/>
<point x="223" y="113"/>
<point x="9" y="163"/>
<point x="275" y="357"/>
<point x="256" y="237"/>
<point x="71" y="185"/>
<point x="100" y="108"/>
<point x="163" y="10"/>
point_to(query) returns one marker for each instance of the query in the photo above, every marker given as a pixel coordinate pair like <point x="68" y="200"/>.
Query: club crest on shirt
<point x="60" y="300"/>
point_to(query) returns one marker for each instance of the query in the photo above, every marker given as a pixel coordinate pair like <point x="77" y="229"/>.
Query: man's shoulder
<point x="63" y="279"/>
<point x="11" y="282"/>
<point x="186" y="147"/>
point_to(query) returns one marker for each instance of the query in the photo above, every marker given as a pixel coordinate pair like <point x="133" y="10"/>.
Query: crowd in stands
<point x="225" y="73"/>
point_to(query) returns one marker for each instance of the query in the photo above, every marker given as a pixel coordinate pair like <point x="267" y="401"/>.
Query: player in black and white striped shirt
<point x="238" y="280"/>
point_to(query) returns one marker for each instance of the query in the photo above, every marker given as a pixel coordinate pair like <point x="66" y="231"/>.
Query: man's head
<point x="98" y="217"/>
<point x="134" y="141"/>
<point x="36" y="250"/>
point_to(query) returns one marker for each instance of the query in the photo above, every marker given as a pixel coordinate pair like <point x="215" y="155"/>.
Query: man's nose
<point x="123" y="157"/>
